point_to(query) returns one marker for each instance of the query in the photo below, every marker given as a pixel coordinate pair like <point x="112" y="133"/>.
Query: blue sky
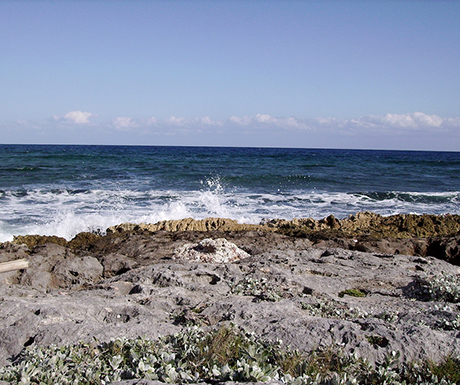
<point x="330" y="74"/>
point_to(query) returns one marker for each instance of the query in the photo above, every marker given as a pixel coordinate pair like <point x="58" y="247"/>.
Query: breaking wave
<point x="66" y="212"/>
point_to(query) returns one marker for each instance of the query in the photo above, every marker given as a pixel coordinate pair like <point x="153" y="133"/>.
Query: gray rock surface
<point x="285" y="288"/>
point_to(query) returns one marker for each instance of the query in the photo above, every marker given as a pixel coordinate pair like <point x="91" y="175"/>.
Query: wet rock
<point x="399" y="234"/>
<point x="32" y="241"/>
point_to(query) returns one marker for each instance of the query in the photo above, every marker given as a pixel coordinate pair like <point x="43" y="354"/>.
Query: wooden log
<point x="13" y="265"/>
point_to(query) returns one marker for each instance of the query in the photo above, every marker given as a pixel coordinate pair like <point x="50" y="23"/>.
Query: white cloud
<point x="76" y="117"/>
<point x="197" y="122"/>
<point x="414" y="130"/>
<point x="264" y="120"/>
<point x="123" y="123"/>
<point x="244" y="121"/>
<point x="207" y="121"/>
<point x="391" y="123"/>
<point x="409" y="121"/>
<point x="177" y="121"/>
<point x="152" y="121"/>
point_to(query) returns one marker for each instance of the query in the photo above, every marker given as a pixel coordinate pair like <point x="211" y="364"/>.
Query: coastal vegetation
<point x="227" y="353"/>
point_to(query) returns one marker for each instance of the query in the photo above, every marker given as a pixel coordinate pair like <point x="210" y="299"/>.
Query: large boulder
<point x="52" y="266"/>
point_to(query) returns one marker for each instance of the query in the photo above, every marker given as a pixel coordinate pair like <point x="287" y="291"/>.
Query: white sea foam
<point x="65" y="213"/>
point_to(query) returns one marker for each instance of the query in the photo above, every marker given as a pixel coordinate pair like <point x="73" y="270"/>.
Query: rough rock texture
<point x="148" y="382"/>
<point x="375" y="225"/>
<point x="210" y="250"/>
<point x="188" y="224"/>
<point x="359" y="225"/>
<point x="311" y="296"/>
<point x="421" y="235"/>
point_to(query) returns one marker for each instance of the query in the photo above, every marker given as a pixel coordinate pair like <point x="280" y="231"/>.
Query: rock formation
<point x="349" y="292"/>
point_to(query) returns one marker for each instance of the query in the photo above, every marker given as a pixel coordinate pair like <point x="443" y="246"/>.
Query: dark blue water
<point x="66" y="189"/>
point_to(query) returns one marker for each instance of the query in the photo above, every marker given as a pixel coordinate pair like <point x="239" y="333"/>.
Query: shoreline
<point x="312" y="292"/>
<point x="410" y="234"/>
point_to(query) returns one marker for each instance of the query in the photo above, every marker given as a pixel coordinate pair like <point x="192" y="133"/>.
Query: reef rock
<point x="187" y="224"/>
<point x="371" y="224"/>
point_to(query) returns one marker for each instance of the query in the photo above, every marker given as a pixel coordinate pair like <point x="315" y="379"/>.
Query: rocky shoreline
<point x="367" y="285"/>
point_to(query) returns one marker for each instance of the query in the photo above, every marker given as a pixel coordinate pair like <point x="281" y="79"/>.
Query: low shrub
<point x="225" y="354"/>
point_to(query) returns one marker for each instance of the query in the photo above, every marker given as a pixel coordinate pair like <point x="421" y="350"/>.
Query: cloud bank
<point x="415" y="130"/>
<point x="378" y="123"/>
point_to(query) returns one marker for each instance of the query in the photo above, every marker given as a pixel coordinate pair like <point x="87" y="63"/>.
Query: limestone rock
<point x="402" y="234"/>
<point x="187" y="224"/>
<point x="55" y="267"/>
<point x="286" y="288"/>
<point x="375" y="225"/>
<point x="35" y="240"/>
<point x="366" y="295"/>
<point x="210" y="250"/>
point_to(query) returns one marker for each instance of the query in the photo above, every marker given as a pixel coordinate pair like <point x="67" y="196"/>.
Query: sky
<point x="260" y="73"/>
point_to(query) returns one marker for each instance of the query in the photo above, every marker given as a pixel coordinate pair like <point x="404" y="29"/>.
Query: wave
<point x="66" y="212"/>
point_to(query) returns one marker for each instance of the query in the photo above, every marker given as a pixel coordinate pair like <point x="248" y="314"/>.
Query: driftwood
<point x="14" y="265"/>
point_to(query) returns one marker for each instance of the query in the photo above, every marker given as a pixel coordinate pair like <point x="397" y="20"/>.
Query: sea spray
<point x="63" y="190"/>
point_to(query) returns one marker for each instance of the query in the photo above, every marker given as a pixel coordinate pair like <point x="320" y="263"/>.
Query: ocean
<point x="63" y="190"/>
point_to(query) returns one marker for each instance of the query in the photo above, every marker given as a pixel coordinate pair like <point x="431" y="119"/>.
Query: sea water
<point x="63" y="190"/>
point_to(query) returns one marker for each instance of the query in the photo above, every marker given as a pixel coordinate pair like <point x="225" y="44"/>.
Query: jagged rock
<point x="375" y="225"/>
<point x="359" y="284"/>
<point x="52" y="266"/>
<point x="116" y="264"/>
<point x="446" y="248"/>
<point x="210" y="250"/>
<point x="32" y="241"/>
<point x="11" y="252"/>
<point x="187" y="224"/>
<point x="151" y="382"/>
<point x="402" y="234"/>
<point x="83" y="241"/>
<point x="286" y="288"/>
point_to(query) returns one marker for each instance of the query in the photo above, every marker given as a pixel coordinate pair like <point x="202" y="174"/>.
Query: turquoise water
<point x="62" y="190"/>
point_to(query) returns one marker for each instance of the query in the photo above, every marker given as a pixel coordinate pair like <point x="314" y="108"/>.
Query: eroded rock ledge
<point x="410" y="234"/>
<point x="361" y="224"/>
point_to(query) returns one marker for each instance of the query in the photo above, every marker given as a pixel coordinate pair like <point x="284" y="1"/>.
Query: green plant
<point x="260" y="288"/>
<point x="352" y="292"/>
<point x="448" y="368"/>
<point x="444" y="287"/>
<point x="225" y="354"/>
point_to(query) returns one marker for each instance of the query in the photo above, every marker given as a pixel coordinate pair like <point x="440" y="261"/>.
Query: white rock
<point x="210" y="250"/>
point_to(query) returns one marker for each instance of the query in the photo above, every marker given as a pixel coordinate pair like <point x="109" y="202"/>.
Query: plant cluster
<point x="262" y="289"/>
<point x="352" y="293"/>
<point x="448" y="318"/>
<point x="443" y="287"/>
<point x="333" y="309"/>
<point x="225" y="354"/>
